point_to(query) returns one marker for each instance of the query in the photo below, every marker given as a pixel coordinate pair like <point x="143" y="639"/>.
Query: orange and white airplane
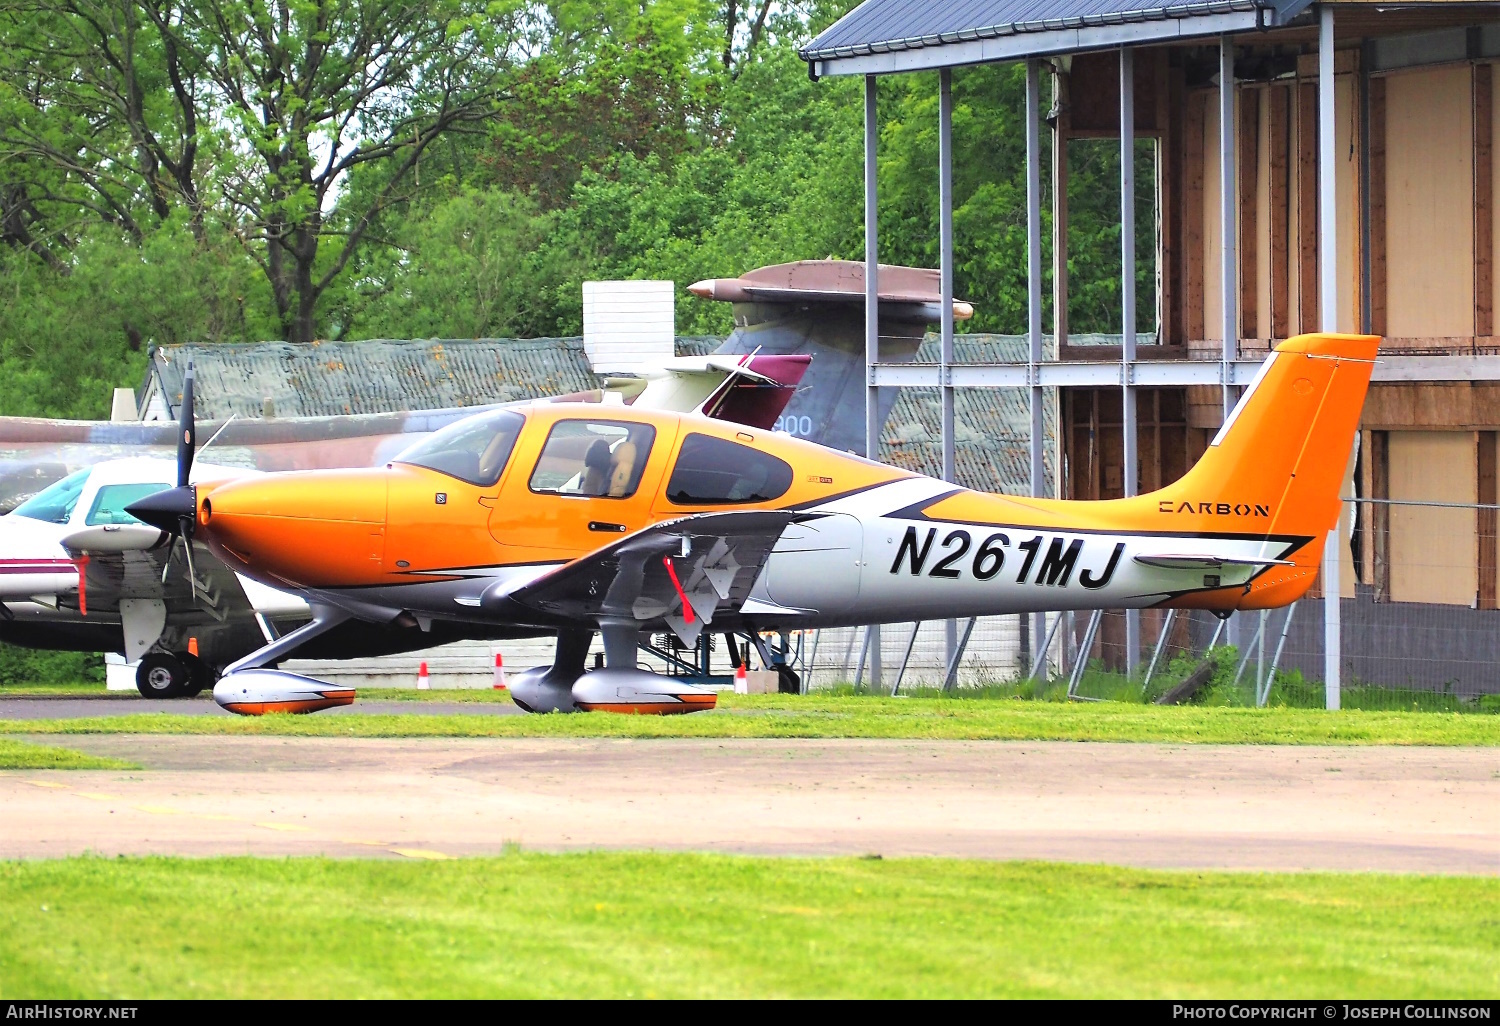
<point x="579" y="518"/>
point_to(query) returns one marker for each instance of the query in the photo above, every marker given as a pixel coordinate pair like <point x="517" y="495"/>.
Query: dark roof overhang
<point x="892" y="36"/>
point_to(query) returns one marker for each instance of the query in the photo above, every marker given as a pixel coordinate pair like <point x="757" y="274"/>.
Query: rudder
<point x="1282" y="455"/>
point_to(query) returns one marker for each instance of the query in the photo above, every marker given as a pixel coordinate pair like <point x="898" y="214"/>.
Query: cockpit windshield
<point x="474" y="449"/>
<point x="54" y="504"/>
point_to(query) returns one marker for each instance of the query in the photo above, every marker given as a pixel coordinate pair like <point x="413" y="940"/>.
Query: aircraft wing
<point x="683" y="573"/>
<point x="214" y="596"/>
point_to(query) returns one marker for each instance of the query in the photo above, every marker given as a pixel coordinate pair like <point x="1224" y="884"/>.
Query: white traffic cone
<point x="499" y="673"/>
<point x="741" y="683"/>
<point x="423" y="684"/>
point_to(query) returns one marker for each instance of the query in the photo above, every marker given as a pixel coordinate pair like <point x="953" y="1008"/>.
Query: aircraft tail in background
<point x="817" y="308"/>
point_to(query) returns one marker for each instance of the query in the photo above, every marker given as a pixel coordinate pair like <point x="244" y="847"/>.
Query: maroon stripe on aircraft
<point x="35" y="566"/>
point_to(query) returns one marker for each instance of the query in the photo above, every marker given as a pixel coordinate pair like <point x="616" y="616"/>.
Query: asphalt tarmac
<point x="1428" y="810"/>
<point x="22" y="707"/>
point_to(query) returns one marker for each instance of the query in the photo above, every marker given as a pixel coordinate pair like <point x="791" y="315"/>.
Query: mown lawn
<point x="641" y="925"/>
<point x="20" y="755"/>
<point x="789" y="716"/>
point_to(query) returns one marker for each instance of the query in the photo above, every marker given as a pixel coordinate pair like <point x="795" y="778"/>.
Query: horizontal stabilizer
<point x="1176" y="562"/>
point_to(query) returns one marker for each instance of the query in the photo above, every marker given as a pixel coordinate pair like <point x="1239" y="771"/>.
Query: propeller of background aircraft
<point x="174" y="511"/>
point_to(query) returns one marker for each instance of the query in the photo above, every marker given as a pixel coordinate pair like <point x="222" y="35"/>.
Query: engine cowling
<point x="639" y="691"/>
<point x="256" y="692"/>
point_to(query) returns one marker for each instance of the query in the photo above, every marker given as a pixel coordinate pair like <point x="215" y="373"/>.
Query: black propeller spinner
<point x="175" y="510"/>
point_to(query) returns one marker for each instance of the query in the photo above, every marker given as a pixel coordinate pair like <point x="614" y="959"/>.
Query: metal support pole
<point x="945" y="258"/>
<point x="864" y="650"/>
<point x="1229" y="283"/>
<point x="1286" y="628"/>
<point x="945" y="275"/>
<point x="1161" y="644"/>
<point x="1039" y="669"/>
<point x="872" y="320"/>
<point x="1034" y="316"/>
<point x="912" y="643"/>
<point x="1249" y="648"/>
<point x="1229" y="277"/>
<point x="1130" y="475"/>
<point x="951" y="680"/>
<point x="848" y="654"/>
<point x="1083" y="653"/>
<point x="1218" y="630"/>
<point x="1328" y="310"/>
<point x="1260" y="648"/>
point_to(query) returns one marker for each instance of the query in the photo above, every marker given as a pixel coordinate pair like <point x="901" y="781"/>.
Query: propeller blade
<point x="187" y="431"/>
<point x="187" y="552"/>
<point x="166" y="567"/>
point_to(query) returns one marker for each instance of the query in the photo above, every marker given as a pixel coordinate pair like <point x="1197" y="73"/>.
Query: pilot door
<point x="589" y="482"/>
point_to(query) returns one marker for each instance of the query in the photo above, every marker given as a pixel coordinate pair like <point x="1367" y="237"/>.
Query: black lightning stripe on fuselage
<point x="918" y="511"/>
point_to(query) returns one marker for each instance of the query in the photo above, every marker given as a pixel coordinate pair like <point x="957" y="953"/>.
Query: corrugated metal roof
<point x="884" y="26"/>
<point x="324" y="379"/>
<point x="321" y="379"/>
<point x="992" y="426"/>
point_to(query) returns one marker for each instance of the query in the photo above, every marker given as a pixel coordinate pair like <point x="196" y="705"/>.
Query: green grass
<point x="20" y="755"/>
<point x="72" y="690"/>
<point x="642" y="925"/>
<point x="820" y="716"/>
<point x="477" y="695"/>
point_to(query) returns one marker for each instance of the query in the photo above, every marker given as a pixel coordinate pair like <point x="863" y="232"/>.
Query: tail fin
<point x="1277" y="464"/>
<point x="751" y="389"/>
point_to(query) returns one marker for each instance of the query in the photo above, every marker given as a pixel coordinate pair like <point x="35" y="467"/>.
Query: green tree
<point x="252" y="110"/>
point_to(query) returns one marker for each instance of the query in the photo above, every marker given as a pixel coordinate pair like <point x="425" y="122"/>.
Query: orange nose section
<point x="313" y="529"/>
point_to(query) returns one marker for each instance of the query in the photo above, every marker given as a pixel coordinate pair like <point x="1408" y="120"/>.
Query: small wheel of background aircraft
<point x="576" y="519"/>
<point x="172" y="675"/>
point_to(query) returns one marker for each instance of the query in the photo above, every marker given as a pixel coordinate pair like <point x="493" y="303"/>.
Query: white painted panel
<point x="628" y="326"/>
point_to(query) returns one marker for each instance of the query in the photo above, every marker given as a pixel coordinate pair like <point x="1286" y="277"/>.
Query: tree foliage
<point x="234" y="170"/>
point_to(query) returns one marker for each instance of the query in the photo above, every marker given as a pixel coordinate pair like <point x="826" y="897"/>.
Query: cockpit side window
<point x="54" y="504"/>
<point x="109" y="505"/>
<point x="599" y="458"/>
<point x="710" y="471"/>
<point x="475" y="449"/>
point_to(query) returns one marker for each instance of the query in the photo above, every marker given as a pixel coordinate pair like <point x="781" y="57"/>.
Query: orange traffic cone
<point x="423" y="684"/>
<point x="499" y="673"/>
<point x="192" y="646"/>
<point x="741" y="682"/>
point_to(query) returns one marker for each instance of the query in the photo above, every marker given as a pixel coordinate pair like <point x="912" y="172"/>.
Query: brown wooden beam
<point x="1278" y="140"/>
<point x="1307" y="205"/>
<point x="1249" y="173"/>
<point x="1484" y="202"/>
<point x="1192" y="213"/>
<point x="1378" y="304"/>
<point x="1171" y="207"/>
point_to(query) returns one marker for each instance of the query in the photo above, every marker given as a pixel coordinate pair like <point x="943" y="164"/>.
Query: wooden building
<point x="1277" y="213"/>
